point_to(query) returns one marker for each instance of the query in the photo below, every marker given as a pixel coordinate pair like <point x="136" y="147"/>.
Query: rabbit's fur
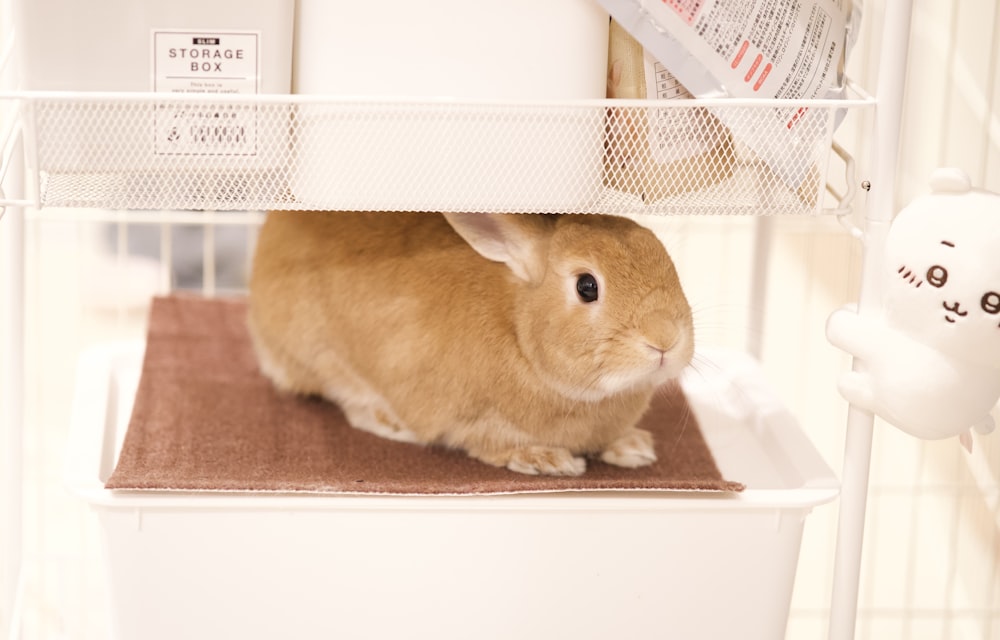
<point x="467" y="330"/>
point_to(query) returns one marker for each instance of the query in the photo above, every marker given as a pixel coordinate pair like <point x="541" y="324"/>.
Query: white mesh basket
<point x="149" y="151"/>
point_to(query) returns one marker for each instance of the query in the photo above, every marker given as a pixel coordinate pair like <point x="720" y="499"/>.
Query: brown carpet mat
<point x="205" y="419"/>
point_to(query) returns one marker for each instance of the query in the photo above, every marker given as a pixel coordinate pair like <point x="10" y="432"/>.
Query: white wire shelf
<point x="131" y="151"/>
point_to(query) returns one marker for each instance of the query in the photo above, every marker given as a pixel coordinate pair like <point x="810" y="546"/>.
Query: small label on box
<point x="205" y="63"/>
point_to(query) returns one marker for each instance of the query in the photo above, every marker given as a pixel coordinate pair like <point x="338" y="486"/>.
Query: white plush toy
<point x="931" y="359"/>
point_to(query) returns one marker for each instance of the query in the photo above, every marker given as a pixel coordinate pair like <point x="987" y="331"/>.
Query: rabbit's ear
<point x="517" y="240"/>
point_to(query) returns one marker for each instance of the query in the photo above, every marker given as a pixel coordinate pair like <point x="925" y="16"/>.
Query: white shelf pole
<point x="878" y="216"/>
<point x="12" y="398"/>
<point x="12" y="326"/>
<point x="763" y="233"/>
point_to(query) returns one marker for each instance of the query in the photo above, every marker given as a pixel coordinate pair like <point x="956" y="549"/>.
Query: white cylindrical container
<point x="394" y="157"/>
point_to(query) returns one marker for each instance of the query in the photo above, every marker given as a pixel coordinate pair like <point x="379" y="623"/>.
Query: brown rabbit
<point x="529" y="341"/>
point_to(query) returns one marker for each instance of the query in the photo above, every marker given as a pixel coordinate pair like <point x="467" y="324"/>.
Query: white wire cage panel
<point x="932" y="540"/>
<point x="149" y="151"/>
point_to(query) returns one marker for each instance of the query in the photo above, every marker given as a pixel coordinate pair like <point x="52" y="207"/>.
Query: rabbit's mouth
<point x="660" y="366"/>
<point x="670" y="358"/>
<point x="659" y="355"/>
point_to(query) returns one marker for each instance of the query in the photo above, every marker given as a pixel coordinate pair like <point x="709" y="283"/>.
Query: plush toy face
<point x="943" y="262"/>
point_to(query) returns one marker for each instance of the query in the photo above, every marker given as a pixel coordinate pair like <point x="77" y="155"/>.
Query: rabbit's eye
<point x="586" y="287"/>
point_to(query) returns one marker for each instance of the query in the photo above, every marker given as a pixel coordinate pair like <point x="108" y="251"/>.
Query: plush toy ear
<point x="517" y="240"/>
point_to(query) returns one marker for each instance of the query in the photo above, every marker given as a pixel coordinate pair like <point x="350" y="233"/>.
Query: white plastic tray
<point x="585" y="565"/>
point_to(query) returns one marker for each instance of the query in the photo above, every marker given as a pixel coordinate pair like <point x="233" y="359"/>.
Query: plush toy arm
<point x="850" y="332"/>
<point x="985" y="425"/>
<point x="856" y="388"/>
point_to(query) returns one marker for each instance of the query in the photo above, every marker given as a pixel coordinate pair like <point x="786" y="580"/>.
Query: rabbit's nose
<point x="662" y="336"/>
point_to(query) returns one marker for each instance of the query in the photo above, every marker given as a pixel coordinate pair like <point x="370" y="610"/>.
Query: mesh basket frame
<point x="116" y="151"/>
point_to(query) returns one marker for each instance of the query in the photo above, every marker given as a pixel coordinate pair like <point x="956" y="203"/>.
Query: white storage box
<point x="566" y="565"/>
<point x="245" y="46"/>
<point x="180" y="48"/>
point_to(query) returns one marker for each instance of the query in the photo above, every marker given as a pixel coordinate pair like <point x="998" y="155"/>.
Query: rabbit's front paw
<point x="550" y="461"/>
<point x="634" y="449"/>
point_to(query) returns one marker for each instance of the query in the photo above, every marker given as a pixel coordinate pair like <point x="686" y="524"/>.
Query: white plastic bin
<point x="588" y="565"/>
